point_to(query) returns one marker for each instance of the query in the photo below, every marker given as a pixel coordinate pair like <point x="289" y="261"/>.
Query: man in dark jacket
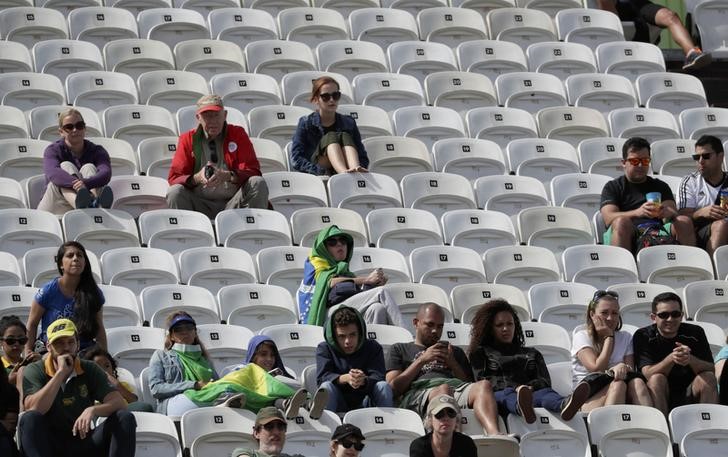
<point x="350" y="366"/>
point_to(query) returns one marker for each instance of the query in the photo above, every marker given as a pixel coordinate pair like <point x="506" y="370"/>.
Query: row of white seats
<point x="696" y="430"/>
<point x="710" y="18"/>
<point x="297" y="21"/>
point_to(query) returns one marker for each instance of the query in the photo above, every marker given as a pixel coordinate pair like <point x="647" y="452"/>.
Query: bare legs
<point x="342" y="159"/>
<point x="704" y="389"/>
<point x="670" y="20"/>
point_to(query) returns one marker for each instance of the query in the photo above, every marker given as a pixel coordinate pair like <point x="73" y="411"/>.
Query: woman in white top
<point x="602" y="355"/>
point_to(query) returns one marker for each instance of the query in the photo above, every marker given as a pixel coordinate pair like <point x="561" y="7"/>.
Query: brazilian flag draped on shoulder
<point x="318" y="269"/>
<point x="260" y="388"/>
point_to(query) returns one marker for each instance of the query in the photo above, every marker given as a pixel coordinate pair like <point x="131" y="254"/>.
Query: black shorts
<point x="643" y="10"/>
<point x="702" y="235"/>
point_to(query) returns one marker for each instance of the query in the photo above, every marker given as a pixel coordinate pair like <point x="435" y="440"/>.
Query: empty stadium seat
<point x="382" y="26"/>
<point x="15" y="57"/>
<point x="543" y="159"/>
<point x="256" y="306"/>
<point x="154" y="155"/>
<point x="275" y="122"/>
<point x="172" y="25"/>
<point x="387" y="430"/>
<point x="175" y="230"/>
<point x="446" y="266"/>
<point x="134" y="123"/>
<point x="403" y="229"/>
<point x="13" y="125"/>
<point x="136" y="194"/>
<point x="674" y="266"/>
<point x="468" y="157"/>
<point x="500" y="125"/>
<point x="278" y="57"/>
<point x="696" y="122"/>
<point x="137" y="268"/>
<point x="555" y="228"/>
<point x="16" y="300"/>
<point x="467" y="299"/>
<point x="459" y="90"/>
<point x="209" y="57"/>
<point x="706" y="301"/>
<point x="63" y="57"/>
<point x="132" y="347"/>
<point x="428" y="124"/>
<point x="673" y="157"/>
<point x="509" y="194"/>
<point x="602" y="156"/>
<point x="217" y="431"/>
<point x="419" y="59"/>
<point x="252" y="229"/>
<point x="571" y="124"/>
<point x="101" y="24"/>
<point x="289" y="191"/>
<point x="560" y="303"/>
<point x="159" y="301"/>
<point x="550" y="339"/>
<point x="397" y="156"/>
<point x="351" y="57"/>
<point x="581" y="191"/>
<point x="530" y="91"/>
<point x="156" y="436"/>
<point x="10" y="274"/>
<point x="370" y="120"/>
<point x="312" y="26"/>
<point x="491" y="58"/>
<point x="171" y="89"/>
<point x="135" y="56"/>
<point x="521" y="26"/>
<point x="11" y="194"/>
<point x="520" y="266"/>
<point x="215" y="267"/>
<point x="100" y="230"/>
<point x="99" y="90"/>
<point x="615" y="429"/>
<point x="121" y="308"/>
<point x="550" y="435"/>
<point x="673" y="92"/>
<point x="363" y="192"/>
<point x="27" y="90"/>
<point x="561" y="59"/>
<point x="589" y="26"/>
<point x="599" y="266"/>
<point x="242" y="25"/>
<point x="437" y="192"/>
<point x="601" y="91"/>
<point x="699" y="429"/>
<point x="28" y="25"/>
<point x="477" y="229"/>
<point x="651" y="124"/>
<point x="388" y="91"/>
<point x="282" y="266"/>
<point x="22" y="229"/>
<point x="629" y="59"/>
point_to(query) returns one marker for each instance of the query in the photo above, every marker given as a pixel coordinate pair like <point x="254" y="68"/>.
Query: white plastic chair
<point x="278" y="57"/>
<point x="28" y="25"/>
<point x="541" y="158"/>
<point x="601" y="91"/>
<point x="27" y="90"/>
<point x="651" y="124"/>
<point x="521" y="26"/>
<point x="388" y="91"/>
<point x="500" y="125"/>
<point x="674" y="265"/>
<point x="15" y="57"/>
<point x="520" y="266"/>
<point x="467" y="299"/>
<point x="589" y="26"/>
<point x="550" y="339"/>
<point x="696" y="122"/>
<point x="477" y="229"/>
<point x="121" y="308"/>
<point x="382" y="26"/>
<point x="491" y="58"/>
<point x="172" y="25"/>
<point x="63" y="57"/>
<point x="23" y="229"/>
<point x="135" y="56"/>
<point x="136" y="194"/>
<point x="468" y="157"/>
<point x="403" y="229"/>
<point x="602" y="156"/>
<point x="670" y="92"/>
<point x="571" y="124"/>
<point x="256" y="306"/>
<point x="351" y="57"/>
<point x="509" y="194"/>
<point x="11" y="194"/>
<point x="555" y="228"/>
<point x="419" y="59"/>
<point x="134" y="123"/>
<point x="215" y="268"/>
<point x="709" y="16"/>
<point x="550" y="435"/>
<point x="16" y="300"/>
<point x="599" y="266"/>
<point x="100" y="230"/>
<point x="673" y="157"/>
<point x="282" y="266"/>
<point x="530" y="91"/>
<point x="561" y="59"/>
<point x="296" y="343"/>
<point x="209" y="57"/>
<point x="437" y="192"/>
<point x="451" y="26"/>
<point x="699" y="429"/>
<point x="629" y="58"/>
<point x="159" y="301"/>
<point x="289" y="191"/>
<point x="387" y="430"/>
<point x="615" y="429"/>
<point x="580" y="191"/>
<point x="252" y="229"/>
<point x="459" y="90"/>
<point x="137" y="268"/>
<point x="312" y="26"/>
<point x="99" y="90"/>
<point x="154" y="155"/>
<point x="242" y="25"/>
<point x="446" y="266"/>
<point x="720" y="259"/>
<point x="156" y="436"/>
<point x="171" y="89"/>
<point x="706" y="301"/>
<point x="635" y="301"/>
<point x="393" y="263"/>
<point x="101" y="24"/>
<point x="175" y="230"/>
<point x="275" y="122"/>
<point x="217" y="431"/>
<point x="363" y="192"/>
<point x="132" y="347"/>
<point x="10" y="274"/>
<point x="370" y="120"/>
<point x="397" y="156"/>
<point x="560" y="303"/>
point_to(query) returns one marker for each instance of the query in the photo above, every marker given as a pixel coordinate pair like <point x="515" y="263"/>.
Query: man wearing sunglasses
<point x="215" y="167"/>
<point x="270" y="433"/>
<point x="624" y="204"/>
<point x="699" y="196"/>
<point x="675" y="357"/>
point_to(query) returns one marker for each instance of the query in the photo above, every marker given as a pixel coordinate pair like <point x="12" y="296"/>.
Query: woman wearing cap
<point x="443" y="438"/>
<point x="518" y="374"/>
<point x="327" y="282"/>
<point x="181" y="366"/>
<point x="602" y="356"/>
<point x="325" y="141"/>
<point x="73" y="295"/>
<point x="347" y="441"/>
<point x="76" y="170"/>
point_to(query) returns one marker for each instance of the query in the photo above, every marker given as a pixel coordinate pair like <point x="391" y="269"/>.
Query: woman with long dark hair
<point x="603" y="357"/>
<point x="518" y="374"/>
<point x="73" y="295"/>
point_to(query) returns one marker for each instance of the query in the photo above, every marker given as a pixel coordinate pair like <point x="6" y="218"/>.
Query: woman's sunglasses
<point x="349" y="444"/>
<point x="80" y="125"/>
<point x="334" y="240"/>
<point x="446" y="412"/>
<point x="13" y="341"/>
<point x="326" y="96"/>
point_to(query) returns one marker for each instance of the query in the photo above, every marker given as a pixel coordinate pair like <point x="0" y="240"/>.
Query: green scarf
<point x="197" y="138"/>
<point x="195" y="367"/>
<point x="326" y="269"/>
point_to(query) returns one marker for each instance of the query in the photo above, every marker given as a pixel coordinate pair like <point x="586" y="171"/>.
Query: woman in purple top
<point x="76" y="170"/>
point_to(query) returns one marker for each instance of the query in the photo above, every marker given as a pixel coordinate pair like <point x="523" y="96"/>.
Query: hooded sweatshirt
<point x="331" y="362"/>
<point x="253" y="345"/>
<point x="318" y="270"/>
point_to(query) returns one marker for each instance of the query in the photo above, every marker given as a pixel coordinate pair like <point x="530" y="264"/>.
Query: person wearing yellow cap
<point x="215" y="167"/>
<point x="60" y="394"/>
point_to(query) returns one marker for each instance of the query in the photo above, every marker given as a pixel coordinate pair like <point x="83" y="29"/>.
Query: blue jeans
<point x="381" y="396"/>
<point x="547" y="398"/>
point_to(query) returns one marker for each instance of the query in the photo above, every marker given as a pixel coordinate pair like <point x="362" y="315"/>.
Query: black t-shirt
<point x="462" y="446"/>
<point x="401" y="355"/>
<point x="628" y="195"/>
<point x="651" y="348"/>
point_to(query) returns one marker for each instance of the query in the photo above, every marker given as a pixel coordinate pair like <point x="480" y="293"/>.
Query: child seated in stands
<point x="108" y="364"/>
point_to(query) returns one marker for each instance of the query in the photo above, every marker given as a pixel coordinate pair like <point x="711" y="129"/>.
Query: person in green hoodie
<point x="327" y="282"/>
<point x="349" y="365"/>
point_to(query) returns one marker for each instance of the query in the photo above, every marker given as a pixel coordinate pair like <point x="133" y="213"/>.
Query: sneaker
<point x="232" y="400"/>
<point x="84" y="198"/>
<point x="105" y="198"/>
<point x="318" y="404"/>
<point x="293" y="404"/>
<point x="696" y="59"/>
<point x="524" y="404"/>
<point x="571" y="404"/>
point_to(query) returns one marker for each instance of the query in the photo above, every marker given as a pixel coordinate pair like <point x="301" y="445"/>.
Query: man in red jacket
<point x="215" y="166"/>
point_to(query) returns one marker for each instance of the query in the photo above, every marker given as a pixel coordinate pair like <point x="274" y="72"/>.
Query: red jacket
<point x="238" y="154"/>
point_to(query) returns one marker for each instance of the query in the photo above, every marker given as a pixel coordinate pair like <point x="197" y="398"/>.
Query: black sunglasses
<point x="704" y="156"/>
<point x="184" y="328"/>
<point x="446" y="412"/>
<point x="599" y="294"/>
<point x="666" y="314"/>
<point x="80" y="125"/>
<point x="275" y="425"/>
<point x="12" y="341"/>
<point x="326" y="96"/>
<point x="349" y="444"/>
<point x="334" y="240"/>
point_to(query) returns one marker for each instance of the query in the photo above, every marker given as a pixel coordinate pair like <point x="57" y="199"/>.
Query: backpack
<point x="653" y="234"/>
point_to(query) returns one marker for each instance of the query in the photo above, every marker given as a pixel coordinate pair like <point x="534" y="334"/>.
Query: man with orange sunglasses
<point x="636" y="199"/>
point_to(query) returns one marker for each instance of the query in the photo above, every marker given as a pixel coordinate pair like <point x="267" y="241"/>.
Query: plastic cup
<point x="654" y="197"/>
